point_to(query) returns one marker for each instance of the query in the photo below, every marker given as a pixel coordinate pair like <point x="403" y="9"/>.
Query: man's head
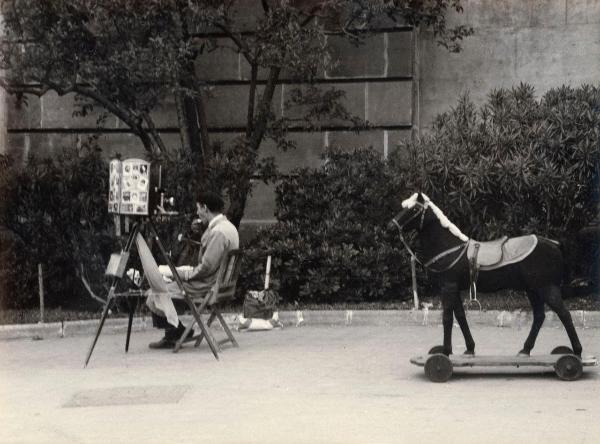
<point x="209" y="204"/>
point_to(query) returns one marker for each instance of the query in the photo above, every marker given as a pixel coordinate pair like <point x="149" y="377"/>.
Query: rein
<point x="428" y="265"/>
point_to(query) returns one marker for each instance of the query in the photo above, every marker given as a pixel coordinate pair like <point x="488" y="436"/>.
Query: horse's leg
<point x="461" y="318"/>
<point x="449" y="296"/>
<point x="537" y="305"/>
<point x="553" y="298"/>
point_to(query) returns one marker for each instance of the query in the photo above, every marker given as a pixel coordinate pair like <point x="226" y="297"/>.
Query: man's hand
<point x="185" y="272"/>
<point x="198" y="226"/>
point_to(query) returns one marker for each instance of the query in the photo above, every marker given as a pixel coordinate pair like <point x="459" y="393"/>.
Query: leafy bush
<point x="330" y="243"/>
<point x="58" y="208"/>
<point x="516" y="165"/>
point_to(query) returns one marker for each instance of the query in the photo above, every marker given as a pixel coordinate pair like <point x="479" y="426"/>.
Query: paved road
<point x="298" y="385"/>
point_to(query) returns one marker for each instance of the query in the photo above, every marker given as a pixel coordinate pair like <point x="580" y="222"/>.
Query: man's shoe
<point x="164" y="343"/>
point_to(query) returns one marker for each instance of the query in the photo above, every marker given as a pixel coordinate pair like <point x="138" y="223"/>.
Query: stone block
<point x="515" y="13"/>
<point x="164" y="114"/>
<point x="18" y="147"/>
<point x="227" y="106"/>
<point x="583" y="12"/>
<point x="246" y="14"/>
<point x="570" y="53"/>
<point x="544" y="13"/>
<point x="349" y="140"/>
<point x="261" y="203"/>
<point x="353" y="101"/>
<point x="306" y="155"/>
<point x="262" y="73"/>
<point x="440" y="95"/>
<point x="57" y="112"/>
<point x="23" y="115"/>
<point x="396" y="139"/>
<point x="389" y="103"/>
<point x="399" y="47"/>
<point x="222" y="63"/>
<point x="364" y="60"/>
<point x="128" y="145"/>
<point x="488" y="54"/>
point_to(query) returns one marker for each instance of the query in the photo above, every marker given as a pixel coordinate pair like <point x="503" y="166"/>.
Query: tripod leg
<point x="111" y="293"/>
<point x="102" y="319"/>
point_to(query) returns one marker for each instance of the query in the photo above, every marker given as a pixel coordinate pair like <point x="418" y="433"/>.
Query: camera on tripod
<point x="135" y="189"/>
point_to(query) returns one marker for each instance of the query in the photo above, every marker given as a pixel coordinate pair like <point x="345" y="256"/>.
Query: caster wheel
<point x="436" y="349"/>
<point x="568" y="368"/>
<point x="438" y="368"/>
<point x="561" y="350"/>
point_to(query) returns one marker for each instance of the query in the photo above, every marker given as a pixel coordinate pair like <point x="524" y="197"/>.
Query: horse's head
<point x="418" y="211"/>
<point x="412" y="215"/>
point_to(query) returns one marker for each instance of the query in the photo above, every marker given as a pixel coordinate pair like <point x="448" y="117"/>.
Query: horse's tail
<point x="566" y="287"/>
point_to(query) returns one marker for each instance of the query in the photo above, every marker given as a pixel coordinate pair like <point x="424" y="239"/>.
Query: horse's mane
<point x="444" y="221"/>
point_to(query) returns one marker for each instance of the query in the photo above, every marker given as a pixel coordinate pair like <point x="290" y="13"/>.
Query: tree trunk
<point x="237" y="204"/>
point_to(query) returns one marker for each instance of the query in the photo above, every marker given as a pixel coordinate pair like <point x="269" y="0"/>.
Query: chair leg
<point x="201" y="335"/>
<point x="179" y="342"/>
<point x="130" y="321"/>
<point x="226" y="328"/>
<point x="198" y="320"/>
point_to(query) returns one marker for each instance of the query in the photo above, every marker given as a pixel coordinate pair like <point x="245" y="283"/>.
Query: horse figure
<point x="453" y="258"/>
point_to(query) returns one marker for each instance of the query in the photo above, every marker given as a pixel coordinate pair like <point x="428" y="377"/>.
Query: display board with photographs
<point x="129" y="185"/>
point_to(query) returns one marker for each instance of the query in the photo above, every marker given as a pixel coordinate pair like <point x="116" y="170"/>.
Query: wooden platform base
<point x="439" y="367"/>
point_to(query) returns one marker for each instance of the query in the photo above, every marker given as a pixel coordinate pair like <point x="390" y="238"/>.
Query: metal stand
<point x="146" y="222"/>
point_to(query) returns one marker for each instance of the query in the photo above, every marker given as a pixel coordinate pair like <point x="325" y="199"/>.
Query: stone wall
<point x="543" y="42"/>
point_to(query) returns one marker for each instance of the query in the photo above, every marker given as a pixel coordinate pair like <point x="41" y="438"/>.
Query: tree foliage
<point x="127" y="56"/>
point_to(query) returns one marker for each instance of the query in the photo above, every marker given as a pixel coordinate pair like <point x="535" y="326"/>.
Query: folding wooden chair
<point x="222" y="291"/>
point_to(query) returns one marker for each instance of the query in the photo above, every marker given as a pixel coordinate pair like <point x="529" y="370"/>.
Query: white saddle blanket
<point x="513" y="250"/>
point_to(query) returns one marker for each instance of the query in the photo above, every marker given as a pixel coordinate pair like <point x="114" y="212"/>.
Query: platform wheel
<point x="436" y="349"/>
<point x="438" y="368"/>
<point x="561" y="350"/>
<point x="568" y="368"/>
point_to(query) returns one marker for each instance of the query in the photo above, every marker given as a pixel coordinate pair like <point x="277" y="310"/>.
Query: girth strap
<point x="445" y="253"/>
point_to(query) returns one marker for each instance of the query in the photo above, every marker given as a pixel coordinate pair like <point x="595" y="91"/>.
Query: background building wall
<point x="396" y="83"/>
<point x="545" y="43"/>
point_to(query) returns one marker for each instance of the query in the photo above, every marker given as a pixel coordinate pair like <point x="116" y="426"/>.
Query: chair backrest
<point x="229" y="270"/>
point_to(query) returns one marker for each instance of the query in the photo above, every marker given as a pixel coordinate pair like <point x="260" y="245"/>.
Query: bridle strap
<point x="443" y="254"/>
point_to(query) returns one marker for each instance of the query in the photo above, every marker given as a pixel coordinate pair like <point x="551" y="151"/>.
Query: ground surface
<point x="297" y="385"/>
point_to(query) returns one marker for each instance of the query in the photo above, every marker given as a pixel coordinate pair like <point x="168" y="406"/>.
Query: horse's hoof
<point x="469" y="353"/>
<point x="523" y="353"/>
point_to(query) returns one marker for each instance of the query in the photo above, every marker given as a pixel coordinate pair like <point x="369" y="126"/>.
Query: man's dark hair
<point x="212" y="200"/>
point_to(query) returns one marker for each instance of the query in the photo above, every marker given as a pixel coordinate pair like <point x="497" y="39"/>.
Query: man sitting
<point x="220" y="237"/>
